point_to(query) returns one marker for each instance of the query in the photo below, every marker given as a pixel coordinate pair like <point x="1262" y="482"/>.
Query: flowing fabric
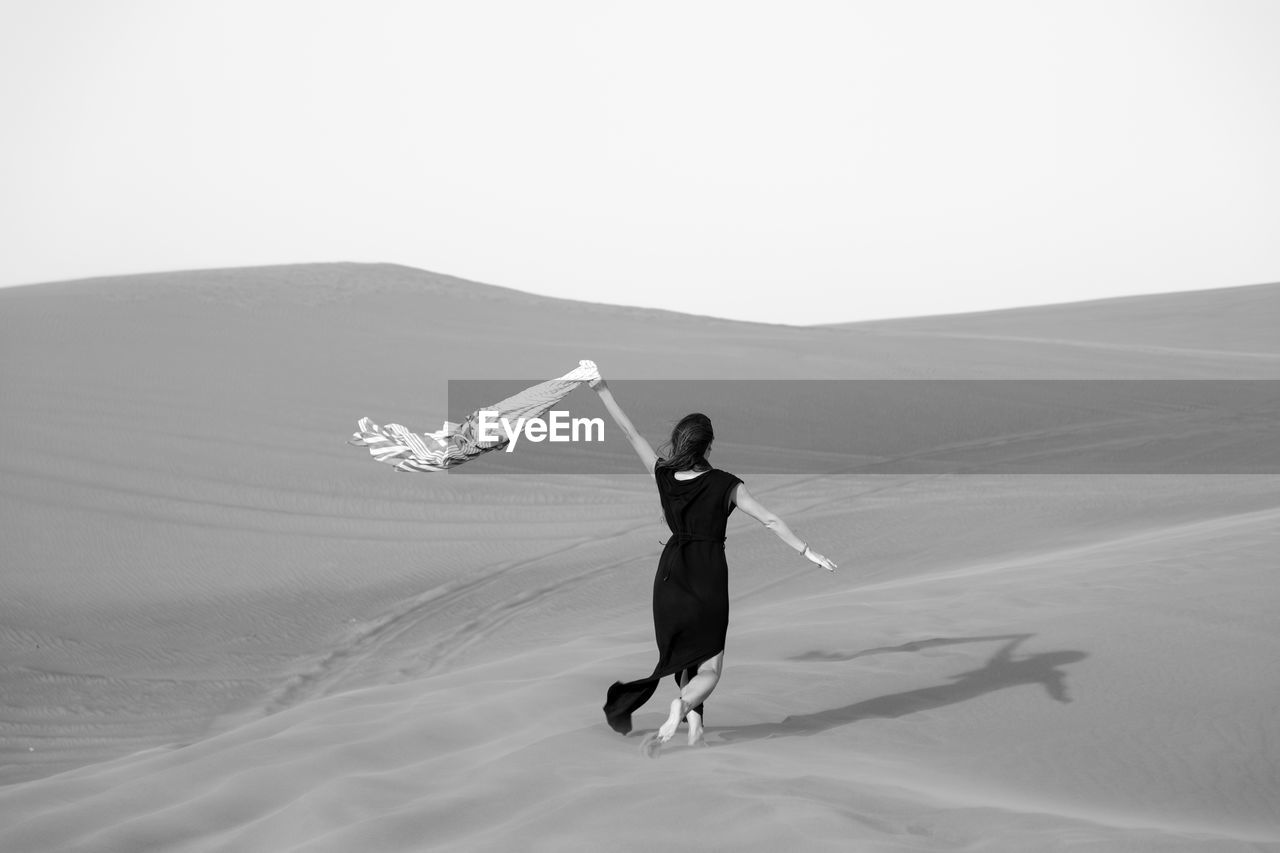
<point x="690" y="589"/>
<point x="454" y="444"/>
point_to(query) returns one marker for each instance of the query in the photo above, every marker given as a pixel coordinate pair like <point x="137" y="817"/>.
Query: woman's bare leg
<point x="693" y="718"/>
<point x="692" y="694"/>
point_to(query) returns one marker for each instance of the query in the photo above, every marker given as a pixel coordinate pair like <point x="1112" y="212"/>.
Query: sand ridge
<point x="224" y="629"/>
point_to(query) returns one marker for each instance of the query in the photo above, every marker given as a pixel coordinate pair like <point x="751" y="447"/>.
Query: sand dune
<point x="224" y="629"/>
<point x="1236" y="322"/>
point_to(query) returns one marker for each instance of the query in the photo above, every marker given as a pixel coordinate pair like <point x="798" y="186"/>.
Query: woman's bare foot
<point x="678" y="709"/>
<point x="694" y="719"/>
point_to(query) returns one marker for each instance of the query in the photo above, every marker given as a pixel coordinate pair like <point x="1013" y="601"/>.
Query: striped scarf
<point x="453" y="444"/>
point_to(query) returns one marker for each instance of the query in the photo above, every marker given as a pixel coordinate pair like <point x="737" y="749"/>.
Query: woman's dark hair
<point x="690" y="440"/>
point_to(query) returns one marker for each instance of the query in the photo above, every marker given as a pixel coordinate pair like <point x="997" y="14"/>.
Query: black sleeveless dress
<point x="690" y="590"/>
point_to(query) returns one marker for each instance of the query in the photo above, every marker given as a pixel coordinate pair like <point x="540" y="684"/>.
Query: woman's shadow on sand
<point x="1001" y="671"/>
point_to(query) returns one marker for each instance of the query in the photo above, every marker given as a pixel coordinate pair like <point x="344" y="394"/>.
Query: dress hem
<point x="625" y="698"/>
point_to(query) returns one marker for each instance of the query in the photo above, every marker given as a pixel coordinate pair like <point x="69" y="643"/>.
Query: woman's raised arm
<point x="752" y="507"/>
<point x="642" y="447"/>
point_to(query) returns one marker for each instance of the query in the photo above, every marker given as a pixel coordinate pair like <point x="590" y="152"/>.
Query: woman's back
<point x="697" y="505"/>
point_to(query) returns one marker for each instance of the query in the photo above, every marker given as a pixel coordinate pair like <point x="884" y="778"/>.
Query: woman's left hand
<point x="814" y="557"/>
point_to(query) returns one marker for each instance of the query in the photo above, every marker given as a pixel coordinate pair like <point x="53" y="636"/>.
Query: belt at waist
<point x="681" y="538"/>
<point x="694" y="537"/>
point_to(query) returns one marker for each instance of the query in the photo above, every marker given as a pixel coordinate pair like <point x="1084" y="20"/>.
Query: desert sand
<point x="222" y="628"/>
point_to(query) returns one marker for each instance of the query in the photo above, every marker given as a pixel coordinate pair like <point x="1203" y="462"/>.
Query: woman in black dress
<point x="691" y="588"/>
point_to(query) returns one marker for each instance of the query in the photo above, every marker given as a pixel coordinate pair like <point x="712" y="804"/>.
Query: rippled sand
<point x="221" y="628"/>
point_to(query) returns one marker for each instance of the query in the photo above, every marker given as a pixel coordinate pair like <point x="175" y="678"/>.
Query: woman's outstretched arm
<point x="745" y="501"/>
<point x="642" y="448"/>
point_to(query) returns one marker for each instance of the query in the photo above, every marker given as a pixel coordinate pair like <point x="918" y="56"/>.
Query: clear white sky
<point x="787" y="161"/>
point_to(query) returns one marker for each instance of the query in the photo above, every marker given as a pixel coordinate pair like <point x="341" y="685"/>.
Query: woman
<point x="691" y="589"/>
